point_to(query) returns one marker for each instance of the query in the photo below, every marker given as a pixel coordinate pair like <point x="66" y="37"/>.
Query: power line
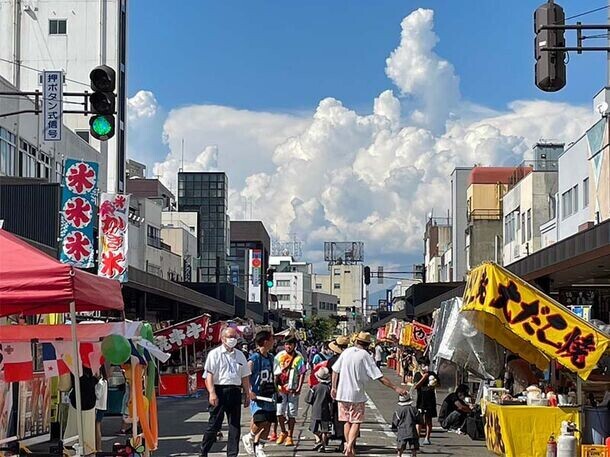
<point x="40" y="71"/>
<point x="588" y="12"/>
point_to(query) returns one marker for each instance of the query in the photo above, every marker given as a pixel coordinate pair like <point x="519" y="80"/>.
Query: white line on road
<point x="379" y="418"/>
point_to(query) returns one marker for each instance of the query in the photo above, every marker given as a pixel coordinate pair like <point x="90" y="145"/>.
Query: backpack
<point x="313" y="381"/>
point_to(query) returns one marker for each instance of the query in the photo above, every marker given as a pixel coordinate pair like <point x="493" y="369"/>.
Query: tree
<point x="321" y="328"/>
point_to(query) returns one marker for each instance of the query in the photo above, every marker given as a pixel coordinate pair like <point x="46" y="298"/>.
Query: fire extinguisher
<point x="551" y="447"/>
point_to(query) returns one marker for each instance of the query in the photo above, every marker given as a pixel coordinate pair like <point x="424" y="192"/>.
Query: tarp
<point x="529" y="323"/>
<point x="457" y="341"/>
<point x="50" y="333"/>
<point x="32" y="282"/>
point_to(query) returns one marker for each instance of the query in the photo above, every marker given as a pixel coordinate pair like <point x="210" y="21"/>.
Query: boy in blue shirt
<point x="262" y="394"/>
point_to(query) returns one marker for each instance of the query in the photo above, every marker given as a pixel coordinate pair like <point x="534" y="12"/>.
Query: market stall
<point x="188" y="343"/>
<point x="33" y="283"/>
<point x="538" y="331"/>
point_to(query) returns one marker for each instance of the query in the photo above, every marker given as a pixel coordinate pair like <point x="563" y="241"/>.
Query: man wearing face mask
<point x="227" y="372"/>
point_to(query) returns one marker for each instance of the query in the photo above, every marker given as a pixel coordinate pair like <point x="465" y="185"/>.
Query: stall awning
<point x="31" y="282"/>
<point x="49" y="333"/>
<point x="529" y="323"/>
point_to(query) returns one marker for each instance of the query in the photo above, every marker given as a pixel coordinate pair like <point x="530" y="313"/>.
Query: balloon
<point x="116" y="349"/>
<point x="146" y="332"/>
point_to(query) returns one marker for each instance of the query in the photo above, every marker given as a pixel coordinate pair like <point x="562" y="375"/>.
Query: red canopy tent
<point x="32" y="282"/>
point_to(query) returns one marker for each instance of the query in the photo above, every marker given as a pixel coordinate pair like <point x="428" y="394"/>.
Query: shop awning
<point x="31" y="282"/>
<point x="529" y="323"/>
<point x="50" y="333"/>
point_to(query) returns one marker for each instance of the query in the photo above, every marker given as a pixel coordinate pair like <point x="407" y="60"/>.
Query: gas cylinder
<point x="567" y="444"/>
<point x="551" y="447"/>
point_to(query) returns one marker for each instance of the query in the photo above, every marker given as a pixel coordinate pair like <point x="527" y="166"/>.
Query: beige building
<point x="323" y="304"/>
<point x="346" y="282"/>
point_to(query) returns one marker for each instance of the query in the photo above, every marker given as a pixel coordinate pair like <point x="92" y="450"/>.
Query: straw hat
<point x="364" y="337"/>
<point x="323" y="374"/>
<point x="340" y="343"/>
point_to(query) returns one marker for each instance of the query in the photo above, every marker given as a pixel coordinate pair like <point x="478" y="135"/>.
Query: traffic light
<point x="550" y="67"/>
<point x="102" y="102"/>
<point x="269" y="277"/>
<point x="353" y="312"/>
<point x="367" y="275"/>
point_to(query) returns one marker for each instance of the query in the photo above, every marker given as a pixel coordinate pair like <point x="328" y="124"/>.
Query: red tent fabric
<point x="32" y="282"/>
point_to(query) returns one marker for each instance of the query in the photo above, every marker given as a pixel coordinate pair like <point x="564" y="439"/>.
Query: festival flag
<point x="53" y="365"/>
<point x="63" y="350"/>
<point x="17" y="360"/>
<point x="113" y="231"/>
<point x="420" y="334"/>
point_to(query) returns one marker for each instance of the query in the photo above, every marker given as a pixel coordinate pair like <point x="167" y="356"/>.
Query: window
<point x="58" y="26"/>
<point x="585" y="192"/>
<point x="337" y="272"/>
<point x="529" y="224"/>
<point x="318" y="285"/>
<point x="575" y="199"/>
<point x="283" y="283"/>
<point x="283" y="297"/>
<point x="84" y="135"/>
<point x="7" y="152"/>
<point x="566" y="204"/>
<point x="336" y="286"/>
<point x="522" y="228"/>
<point x="153" y="236"/>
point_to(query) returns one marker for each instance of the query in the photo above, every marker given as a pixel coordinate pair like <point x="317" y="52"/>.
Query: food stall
<point x="543" y="333"/>
<point x="188" y="343"/>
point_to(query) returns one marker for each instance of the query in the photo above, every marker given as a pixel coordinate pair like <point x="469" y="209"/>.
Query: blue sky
<point x="287" y="55"/>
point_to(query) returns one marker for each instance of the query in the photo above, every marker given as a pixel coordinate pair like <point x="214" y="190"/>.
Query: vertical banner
<point x="255" y="272"/>
<point x="114" y="227"/>
<point x="78" y="204"/>
<point x="52" y="94"/>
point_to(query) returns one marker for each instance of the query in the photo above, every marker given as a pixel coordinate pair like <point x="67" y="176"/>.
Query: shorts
<point x="99" y="414"/>
<point x="351" y="412"/>
<point x="411" y="444"/>
<point x="289" y="406"/>
<point x="262" y="415"/>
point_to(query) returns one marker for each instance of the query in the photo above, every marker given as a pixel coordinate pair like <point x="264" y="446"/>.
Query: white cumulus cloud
<point x="342" y="175"/>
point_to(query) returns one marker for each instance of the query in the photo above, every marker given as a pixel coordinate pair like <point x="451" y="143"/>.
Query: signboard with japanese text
<point x="183" y="334"/>
<point x="113" y="230"/>
<point x="78" y="212"/>
<point x="52" y="95"/>
<point x="255" y="266"/>
<point x="419" y="335"/>
<point x="529" y="323"/>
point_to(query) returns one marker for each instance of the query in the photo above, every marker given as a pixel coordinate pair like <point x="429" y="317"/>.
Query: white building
<point x="179" y="231"/>
<point x="23" y="152"/>
<point x="292" y="284"/>
<point x="324" y="305"/>
<point x="74" y="36"/>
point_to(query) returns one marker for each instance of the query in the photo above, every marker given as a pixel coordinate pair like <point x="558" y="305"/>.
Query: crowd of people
<point x="270" y="378"/>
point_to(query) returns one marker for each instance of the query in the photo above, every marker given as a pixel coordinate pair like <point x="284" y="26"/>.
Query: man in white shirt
<point x="357" y="367"/>
<point x="226" y="373"/>
<point x="378" y="354"/>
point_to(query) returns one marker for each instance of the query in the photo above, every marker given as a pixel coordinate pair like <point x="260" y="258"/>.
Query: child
<point x="404" y="423"/>
<point x="321" y="413"/>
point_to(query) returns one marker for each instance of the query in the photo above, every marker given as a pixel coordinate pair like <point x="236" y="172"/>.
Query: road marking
<point x="199" y="417"/>
<point x="380" y="418"/>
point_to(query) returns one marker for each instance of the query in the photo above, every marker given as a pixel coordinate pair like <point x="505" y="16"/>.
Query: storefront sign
<point x="52" y="94"/>
<point x="114" y="211"/>
<point x="525" y="321"/>
<point x="420" y="335"/>
<point x="255" y="266"/>
<point x="183" y="334"/>
<point x="78" y="207"/>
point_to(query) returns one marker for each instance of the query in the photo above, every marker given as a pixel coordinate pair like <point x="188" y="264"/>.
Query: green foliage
<point x="322" y="328"/>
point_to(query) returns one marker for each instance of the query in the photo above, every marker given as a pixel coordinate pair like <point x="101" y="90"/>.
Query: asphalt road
<point x="182" y="421"/>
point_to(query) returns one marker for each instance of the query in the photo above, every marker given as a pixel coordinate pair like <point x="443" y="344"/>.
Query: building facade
<point x="437" y="242"/>
<point x="456" y="255"/>
<point x="206" y="193"/>
<point x="74" y="36"/>
<point x="292" y="285"/>
<point x="324" y="305"/>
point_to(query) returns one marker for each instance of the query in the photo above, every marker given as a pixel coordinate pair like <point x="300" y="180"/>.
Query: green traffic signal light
<point x="269" y="284"/>
<point x="102" y="127"/>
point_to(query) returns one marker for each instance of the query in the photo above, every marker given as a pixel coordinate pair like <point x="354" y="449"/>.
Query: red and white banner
<point x="114" y="227"/>
<point x="420" y="335"/>
<point x="183" y="334"/>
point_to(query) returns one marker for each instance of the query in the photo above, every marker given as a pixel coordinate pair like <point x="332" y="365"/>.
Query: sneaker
<point x="248" y="446"/>
<point x="281" y="438"/>
<point x="318" y="445"/>
<point x="272" y="437"/>
<point x="259" y="452"/>
<point x="322" y="449"/>
<point x="289" y="441"/>
<point x="426" y="441"/>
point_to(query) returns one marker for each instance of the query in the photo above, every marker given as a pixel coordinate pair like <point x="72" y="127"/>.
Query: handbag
<point x="309" y="397"/>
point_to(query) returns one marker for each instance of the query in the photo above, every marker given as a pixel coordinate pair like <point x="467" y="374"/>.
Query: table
<point x="517" y="431"/>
